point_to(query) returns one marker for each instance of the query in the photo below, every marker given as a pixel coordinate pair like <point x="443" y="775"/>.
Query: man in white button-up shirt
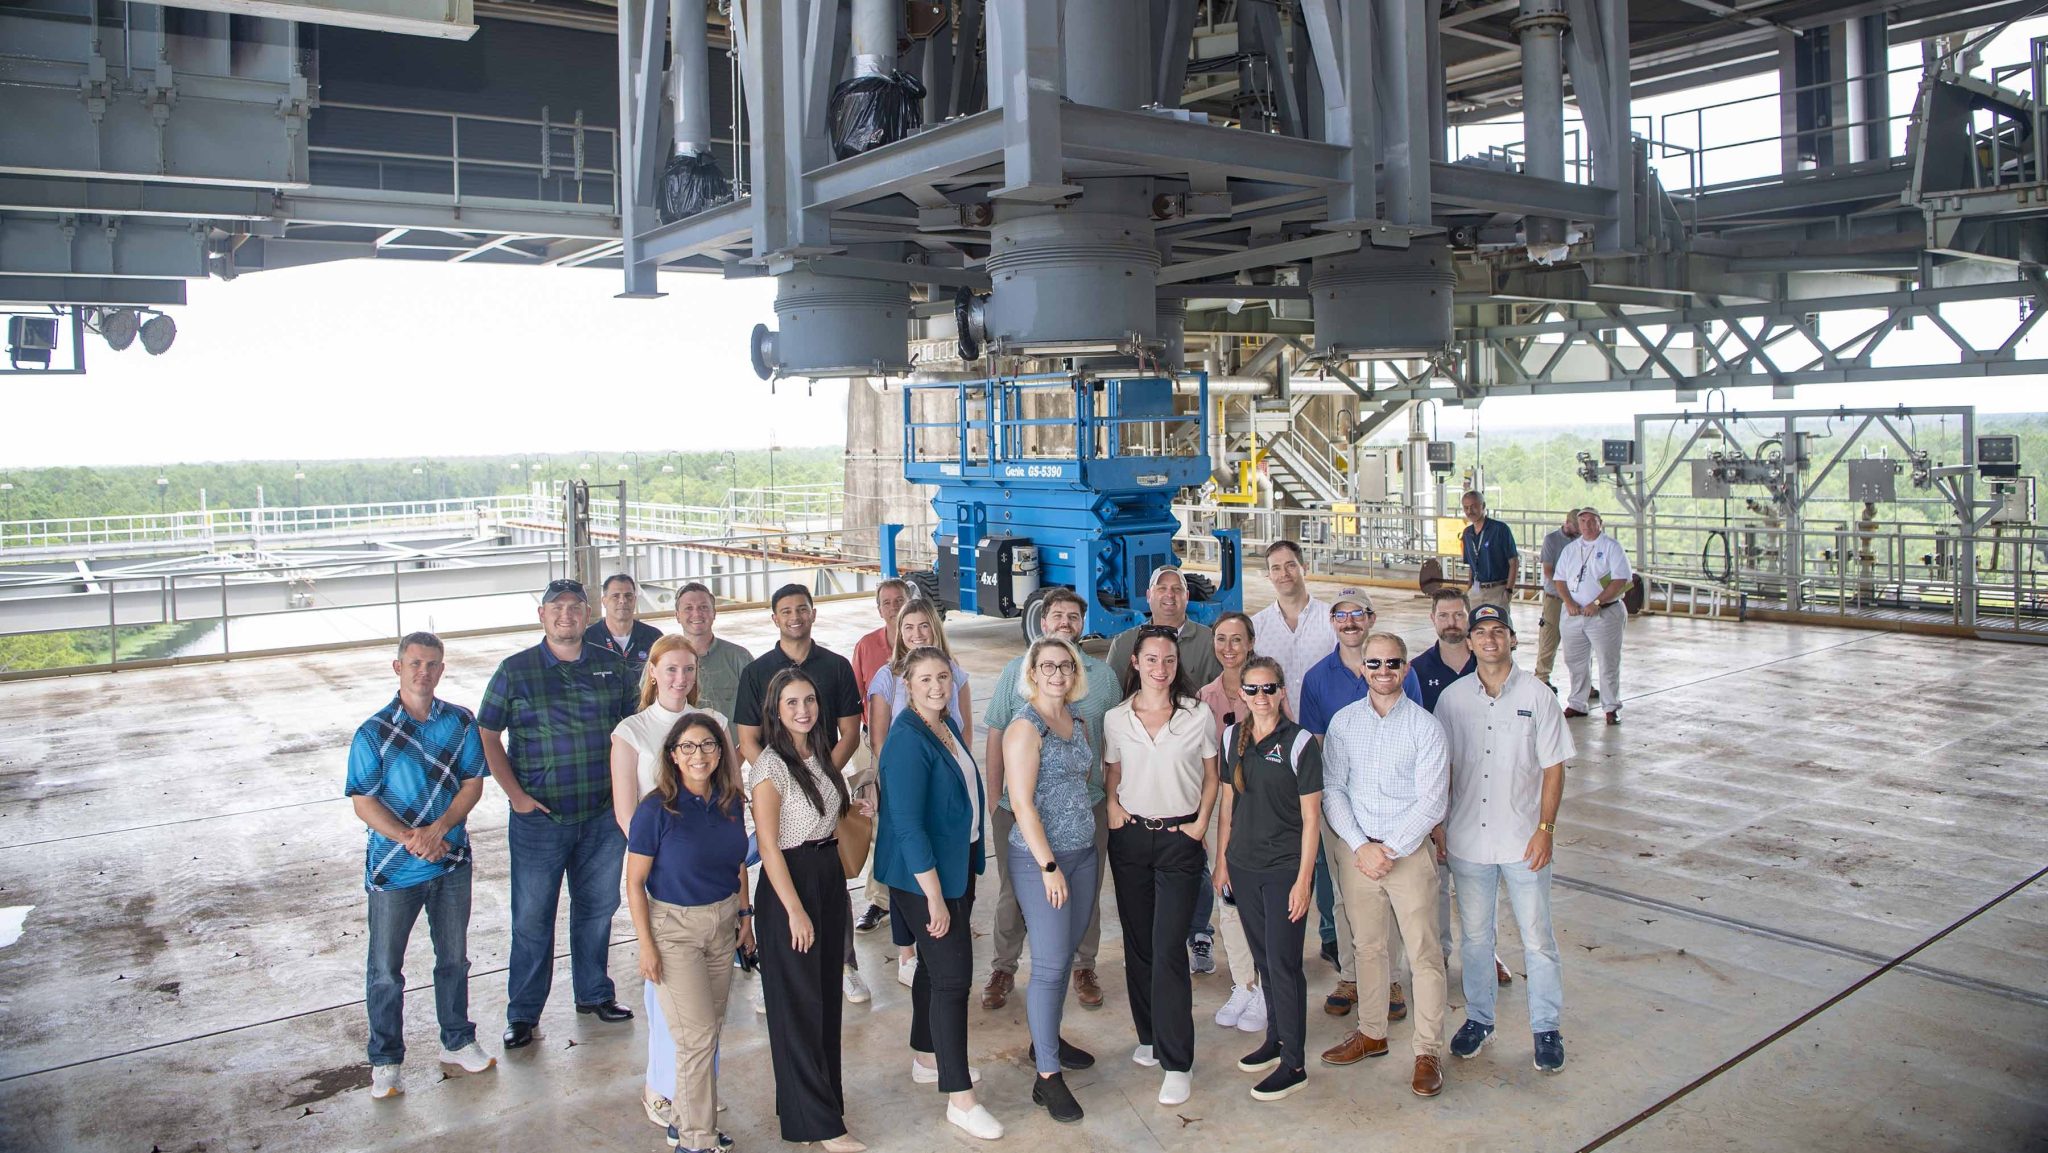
<point x="1508" y="746"/>
<point x="1592" y="573"/>
<point x="1295" y="629"/>
<point x="1385" y="778"/>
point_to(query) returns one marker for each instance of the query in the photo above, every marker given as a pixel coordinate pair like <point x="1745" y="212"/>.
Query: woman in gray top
<point x="1051" y="855"/>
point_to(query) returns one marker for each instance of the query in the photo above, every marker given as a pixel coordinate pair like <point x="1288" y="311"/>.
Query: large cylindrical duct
<point x="874" y="36"/>
<point x="1542" y="25"/>
<point x="834" y="326"/>
<point x="1105" y="53"/>
<point x="1383" y="301"/>
<point x="1076" y="273"/>
<point x="1172" y="328"/>
<point x="689" y="76"/>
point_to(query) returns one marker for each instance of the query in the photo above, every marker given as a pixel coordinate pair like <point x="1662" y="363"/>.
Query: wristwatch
<point x="745" y="913"/>
<point x="1546" y="826"/>
<point x="1052" y="866"/>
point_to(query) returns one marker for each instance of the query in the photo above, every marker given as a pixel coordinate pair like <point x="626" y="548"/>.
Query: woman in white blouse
<point x="799" y="902"/>
<point x="1159" y="767"/>
<point x="668" y="692"/>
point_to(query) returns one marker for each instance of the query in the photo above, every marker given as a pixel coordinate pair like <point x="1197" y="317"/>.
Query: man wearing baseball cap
<point x="546" y="723"/>
<point x="1508" y="745"/>
<point x="1167" y="597"/>
<point x="1592" y="574"/>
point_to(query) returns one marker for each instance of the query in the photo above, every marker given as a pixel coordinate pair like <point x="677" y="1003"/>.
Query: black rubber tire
<point x="1200" y="587"/>
<point x="926" y="583"/>
<point x="1033" y="612"/>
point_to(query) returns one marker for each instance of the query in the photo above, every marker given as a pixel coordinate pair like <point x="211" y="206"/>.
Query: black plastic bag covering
<point x="689" y="185"/>
<point x="873" y="110"/>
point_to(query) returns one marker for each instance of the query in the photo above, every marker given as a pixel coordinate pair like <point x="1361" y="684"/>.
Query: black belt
<point x="1161" y="824"/>
<point x="819" y="843"/>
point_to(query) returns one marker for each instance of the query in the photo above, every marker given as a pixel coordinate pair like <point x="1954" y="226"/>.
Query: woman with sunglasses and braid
<point x="1271" y="825"/>
<point x="799" y="902"/>
<point x="1159" y="767"/>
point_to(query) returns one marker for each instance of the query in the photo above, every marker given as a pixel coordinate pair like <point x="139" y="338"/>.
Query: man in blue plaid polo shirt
<point x="415" y="770"/>
<point x="547" y="721"/>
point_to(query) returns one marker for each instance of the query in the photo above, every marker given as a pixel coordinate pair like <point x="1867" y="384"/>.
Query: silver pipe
<point x="1104" y="55"/>
<point x="874" y="36"/>
<point x="1542" y="26"/>
<point x="689" y="76"/>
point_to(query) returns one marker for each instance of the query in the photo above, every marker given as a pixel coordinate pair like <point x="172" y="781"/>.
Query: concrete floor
<point x="1785" y="809"/>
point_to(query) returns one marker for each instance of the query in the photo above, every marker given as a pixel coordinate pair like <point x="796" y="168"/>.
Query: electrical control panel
<point x="1442" y="455"/>
<point x="1998" y="456"/>
<point x="1875" y="480"/>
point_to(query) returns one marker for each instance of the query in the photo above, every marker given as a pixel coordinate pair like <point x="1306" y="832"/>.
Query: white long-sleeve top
<point x="1385" y="779"/>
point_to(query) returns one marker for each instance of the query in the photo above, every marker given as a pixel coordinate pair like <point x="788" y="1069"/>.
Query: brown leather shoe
<point x="1341" y="998"/>
<point x="1087" y="989"/>
<point x="1355" y="1047"/>
<point x="1397" y="1004"/>
<point x="1501" y="974"/>
<point x="1429" y="1076"/>
<point x="998" y="990"/>
<point x="1572" y="713"/>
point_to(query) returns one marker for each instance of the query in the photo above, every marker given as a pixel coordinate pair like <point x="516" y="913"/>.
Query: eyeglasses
<point x="1350" y="615"/>
<point x="1385" y="662"/>
<point x="1056" y="668"/>
<point x="1258" y="690"/>
<point x="692" y="748"/>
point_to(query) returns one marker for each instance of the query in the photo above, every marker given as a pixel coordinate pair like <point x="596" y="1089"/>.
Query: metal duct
<point x="1105" y="53"/>
<point x="689" y="76"/>
<point x="1542" y="25"/>
<point x="1383" y="300"/>
<point x="874" y="36"/>
<point x="1172" y="327"/>
<point x="1080" y="273"/>
<point x="834" y="326"/>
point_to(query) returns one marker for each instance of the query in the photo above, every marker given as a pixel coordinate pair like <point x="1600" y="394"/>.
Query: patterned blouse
<point x="1062" y="793"/>
<point x="800" y="822"/>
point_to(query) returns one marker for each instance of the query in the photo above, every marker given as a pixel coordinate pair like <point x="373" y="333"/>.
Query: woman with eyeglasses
<point x="668" y="692"/>
<point x="686" y="869"/>
<point x="929" y="848"/>
<point x="1271" y="825"/>
<point x="1051" y="863"/>
<point x="888" y="694"/>
<point x="1159" y="767"/>
<point x="1245" y="1009"/>
<point x="799" y="902"/>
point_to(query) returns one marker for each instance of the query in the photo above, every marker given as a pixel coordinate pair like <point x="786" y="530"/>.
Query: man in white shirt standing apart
<point x="1592" y="573"/>
<point x="1508" y="745"/>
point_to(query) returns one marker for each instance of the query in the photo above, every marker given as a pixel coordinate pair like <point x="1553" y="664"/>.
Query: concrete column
<point x="1542" y="24"/>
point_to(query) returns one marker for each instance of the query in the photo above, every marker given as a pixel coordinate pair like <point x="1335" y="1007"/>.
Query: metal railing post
<point x="113" y="632"/>
<point x="397" y="603"/>
<point x="225" y="648"/>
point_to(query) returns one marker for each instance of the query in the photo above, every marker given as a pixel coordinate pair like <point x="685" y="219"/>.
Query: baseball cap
<point x="1353" y="596"/>
<point x="562" y="587"/>
<point x="1589" y="510"/>
<point x="1486" y="614"/>
<point x="1163" y="571"/>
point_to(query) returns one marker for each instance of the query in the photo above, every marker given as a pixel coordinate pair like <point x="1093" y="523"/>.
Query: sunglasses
<point x="558" y="587"/>
<point x="1167" y="631"/>
<point x="1351" y="615"/>
<point x="1260" y="690"/>
<point x="1385" y="662"/>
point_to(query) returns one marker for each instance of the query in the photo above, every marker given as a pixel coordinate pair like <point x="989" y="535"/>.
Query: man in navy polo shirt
<point x="415" y="770"/>
<point x="620" y="629"/>
<point x="1333" y="682"/>
<point x="1490" y="555"/>
<point x="1449" y="658"/>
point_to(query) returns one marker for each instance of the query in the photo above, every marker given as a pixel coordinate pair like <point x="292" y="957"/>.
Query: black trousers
<point x="1157" y="875"/>
<point x="1276" y="950"/>
<point x="803" y="995"/>
<point x="945" y="975"/>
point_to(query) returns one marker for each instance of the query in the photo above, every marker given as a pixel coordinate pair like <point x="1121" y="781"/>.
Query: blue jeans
<point x="1053" y="935"/>
<point x="1529" y="897"/>
<point x="543" y="851"/>
<point x="392" y="915"/>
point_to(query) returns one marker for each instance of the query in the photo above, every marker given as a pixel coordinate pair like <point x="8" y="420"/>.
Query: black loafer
<point x="610" y="1012"/>
<point x="1071" y="1056"/>
<point x="519" y="1034"/>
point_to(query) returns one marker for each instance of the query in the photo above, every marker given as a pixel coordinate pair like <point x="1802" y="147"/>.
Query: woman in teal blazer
<point x="928" y="849"/>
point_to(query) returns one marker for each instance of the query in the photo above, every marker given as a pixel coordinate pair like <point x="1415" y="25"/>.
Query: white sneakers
<point x="471" y="1058"/>
<point x="1253" y="1019"/>
<point x="1143" y="1056"/>
<point x="923" y="1074"/>
<point x="1176" y="1088"/>
<point x="906" y="972"/>
<point x="385" y="1082"/>
<point x="977" y="1122"/>
<point x="856" y="989"/>
<point x="1234" y="1008"/>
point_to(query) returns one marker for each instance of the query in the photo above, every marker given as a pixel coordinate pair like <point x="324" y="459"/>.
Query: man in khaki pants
<point x="1553" y="608"/>
<point x="1386" y="782"/>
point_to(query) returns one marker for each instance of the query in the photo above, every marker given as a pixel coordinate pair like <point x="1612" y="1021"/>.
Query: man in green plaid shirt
<point x="546" y="723"/>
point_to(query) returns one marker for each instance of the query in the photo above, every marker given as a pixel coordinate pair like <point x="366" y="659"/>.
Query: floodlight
<point x="157" y="334"/>
<point x="119" y="326"/>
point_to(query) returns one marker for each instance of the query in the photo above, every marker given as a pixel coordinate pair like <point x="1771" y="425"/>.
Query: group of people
<point x="1243" y="773"/>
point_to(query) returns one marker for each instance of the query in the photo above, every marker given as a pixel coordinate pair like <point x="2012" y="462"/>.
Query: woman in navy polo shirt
<point x="927" y="850"/>
<point x="686" y="868"/>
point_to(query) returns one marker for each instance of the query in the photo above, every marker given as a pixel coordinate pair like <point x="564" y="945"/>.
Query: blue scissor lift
<point x="1079" y="494"/>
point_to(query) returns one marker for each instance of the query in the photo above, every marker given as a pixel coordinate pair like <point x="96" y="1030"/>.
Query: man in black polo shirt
<point x="838" y="696"/>
<point x="620" y="629"/>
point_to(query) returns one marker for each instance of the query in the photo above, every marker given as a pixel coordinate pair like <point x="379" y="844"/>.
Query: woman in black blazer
<point x="928" y="849"/>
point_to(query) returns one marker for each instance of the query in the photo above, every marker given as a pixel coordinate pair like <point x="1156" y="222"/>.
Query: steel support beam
<point x="101" y="246"/>
<point x="1342" y="39"/>
<point x="1024" y="81"/>
<point x="91" y="290"/>
<point x="640" y="43"/>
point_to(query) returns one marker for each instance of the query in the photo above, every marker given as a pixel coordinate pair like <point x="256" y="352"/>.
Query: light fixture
<point x="31" y="340"/>
<point x="157" y="334"/>
<point x="118" y="327"/>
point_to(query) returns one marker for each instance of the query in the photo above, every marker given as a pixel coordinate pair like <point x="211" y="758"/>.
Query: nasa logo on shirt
<point x="1275" y="755"/>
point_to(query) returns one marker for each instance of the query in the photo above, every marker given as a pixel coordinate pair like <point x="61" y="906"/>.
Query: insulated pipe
<point x="1106" y="54"/>
<point x="1542" y="25"/>
<point x="874" y="36"/>
<point x="689" y="76"/>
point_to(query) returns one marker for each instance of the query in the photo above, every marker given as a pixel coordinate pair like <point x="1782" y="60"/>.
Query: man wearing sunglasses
<point x="1167" y="599"/>
<point x="546" y="723"/>
<point x="1330" y="684"/>
<point x="1386" y="779"/>
<point x="1592" y="574"/>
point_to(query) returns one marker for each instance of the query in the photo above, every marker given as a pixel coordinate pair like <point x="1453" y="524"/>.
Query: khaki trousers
<point x="1237" y="949"/>
<point x="695" y="944"/>
<point x="1493" y="594"/>
<point x="1410" y="890"/>
<point x="1547" y="637"/>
